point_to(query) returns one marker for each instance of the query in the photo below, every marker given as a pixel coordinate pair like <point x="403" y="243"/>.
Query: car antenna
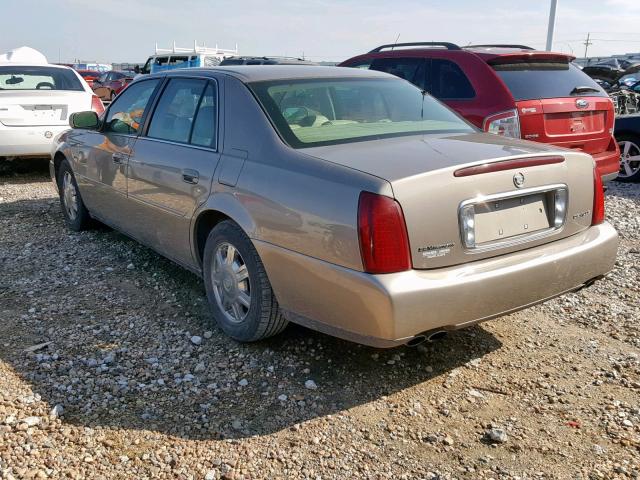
<point x="397" y="38"/>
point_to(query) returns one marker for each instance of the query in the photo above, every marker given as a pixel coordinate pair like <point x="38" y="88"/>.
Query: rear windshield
<point x="330" y="111"/>
<point x="38" y="78"/>
<point x="530" y="81"/>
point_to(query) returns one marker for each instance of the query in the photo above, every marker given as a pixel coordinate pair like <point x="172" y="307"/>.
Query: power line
<point x="586" y="44"/>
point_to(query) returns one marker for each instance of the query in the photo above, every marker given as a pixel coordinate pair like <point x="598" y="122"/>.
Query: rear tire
<point x="238" y="289"/>
<point x="629" y="158"/>
<point x="73" y="208"/>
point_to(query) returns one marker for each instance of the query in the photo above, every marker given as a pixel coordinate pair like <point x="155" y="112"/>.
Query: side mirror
<point x="85" y="120"/>
<point x="136" y="69"/>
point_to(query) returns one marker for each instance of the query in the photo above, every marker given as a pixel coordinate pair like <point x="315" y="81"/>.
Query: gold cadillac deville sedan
<point x="345" y="200"/>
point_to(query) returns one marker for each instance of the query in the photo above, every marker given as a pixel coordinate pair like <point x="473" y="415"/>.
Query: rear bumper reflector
<point x="507" y="165"/>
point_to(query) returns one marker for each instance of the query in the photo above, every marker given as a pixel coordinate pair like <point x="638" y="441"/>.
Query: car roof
<point x="278" y="60"/>
<point x="262" y="73"/>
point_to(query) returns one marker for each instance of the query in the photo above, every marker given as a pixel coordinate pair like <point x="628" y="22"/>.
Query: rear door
<point x="557" y="103"/>
<point x="171" y="169"/>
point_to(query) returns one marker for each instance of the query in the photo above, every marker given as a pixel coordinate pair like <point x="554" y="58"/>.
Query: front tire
<point x="73" y="208"/>
<point x="238" y="289"/>
<point x="629" y="158"/>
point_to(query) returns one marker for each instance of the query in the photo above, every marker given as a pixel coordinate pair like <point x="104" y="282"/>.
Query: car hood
<point x="396" y="158"/>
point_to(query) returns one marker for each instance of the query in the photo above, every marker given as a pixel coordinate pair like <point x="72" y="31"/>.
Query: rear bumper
<point x="389" y="310"/>
<point x="608" y="163"/>
<point x="28" y="141"/>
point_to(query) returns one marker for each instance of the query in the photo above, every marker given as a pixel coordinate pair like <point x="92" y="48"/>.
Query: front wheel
<point x="629" y="158"/>
<point x="238" y="289"/>
<point x="73" y="208"/>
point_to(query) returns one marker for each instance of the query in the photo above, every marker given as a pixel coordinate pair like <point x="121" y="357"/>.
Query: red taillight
<point x="384" y="243"/>
<point x="503" y="123"/>
<point x="96" y="104"/>
<point x="598" y="199"/>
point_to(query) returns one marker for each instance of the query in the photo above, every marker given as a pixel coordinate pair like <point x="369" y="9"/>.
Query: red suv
<point x="510" y="90"/>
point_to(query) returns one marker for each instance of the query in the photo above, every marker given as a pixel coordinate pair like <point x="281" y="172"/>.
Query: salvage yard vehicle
<point x="110" y="84"/>
<point x="249" y="60"/>
<point x="175" y="58"/>
<point x="345" y="200"/>
<point x="628" y="136"/>
<point x="511" y="90"/>
<point x="36" y="100"/>
<point x="89" y="76"/>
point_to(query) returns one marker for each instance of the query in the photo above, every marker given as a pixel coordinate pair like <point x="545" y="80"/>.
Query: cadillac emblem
<point x="518" y="179"/>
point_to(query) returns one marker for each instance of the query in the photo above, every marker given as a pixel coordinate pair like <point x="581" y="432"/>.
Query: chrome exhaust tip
<point x="427" y="337"/>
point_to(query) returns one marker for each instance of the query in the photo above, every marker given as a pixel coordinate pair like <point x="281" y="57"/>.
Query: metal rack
<point x="499" y="45"/>
<point x="197" y="49"/>
<point x="445" y="45"/>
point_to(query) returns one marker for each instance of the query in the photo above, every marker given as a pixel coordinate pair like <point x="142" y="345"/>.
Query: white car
<point x="36" y="100"/>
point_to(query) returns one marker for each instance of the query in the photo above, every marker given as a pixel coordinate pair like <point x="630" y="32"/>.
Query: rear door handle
<point x="118" y="158"/>
<point x="190" y="176"/>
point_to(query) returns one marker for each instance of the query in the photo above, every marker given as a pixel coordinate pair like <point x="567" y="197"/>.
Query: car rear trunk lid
<point x="41" y="108"/>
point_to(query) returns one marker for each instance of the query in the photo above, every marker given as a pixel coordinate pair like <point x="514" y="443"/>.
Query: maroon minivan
<point x="510" y="90"/>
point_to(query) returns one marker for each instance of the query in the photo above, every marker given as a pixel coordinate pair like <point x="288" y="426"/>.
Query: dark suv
<point x="264" y="61"/>
<point x="510" y="90"/>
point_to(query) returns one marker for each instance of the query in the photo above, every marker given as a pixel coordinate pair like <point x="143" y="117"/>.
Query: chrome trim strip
<point x="518" y="239"/>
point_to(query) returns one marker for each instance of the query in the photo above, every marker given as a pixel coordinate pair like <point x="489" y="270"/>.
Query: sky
<point x="127" y="30"/>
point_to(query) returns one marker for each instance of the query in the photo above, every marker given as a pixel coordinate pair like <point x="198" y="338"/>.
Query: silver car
<point x="345" y="200"/>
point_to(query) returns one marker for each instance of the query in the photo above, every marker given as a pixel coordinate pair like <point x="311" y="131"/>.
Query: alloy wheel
<point x="629" y="159"/>
<point x="231" y="283"/>
<point x="69" y="196"/>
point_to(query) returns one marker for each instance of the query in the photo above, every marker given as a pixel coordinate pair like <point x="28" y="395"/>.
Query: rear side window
<point x="178" y="60"/>
<point x="531" y="81"/>
<point x="38" y="78"/>
<point x="126" y="112"/>
<point x="205" y="125"/>
<point x="176" y="110"/>
<point x="411" y="69"/>
<point x="448" y="81"/>
<point x="186" y="113"/>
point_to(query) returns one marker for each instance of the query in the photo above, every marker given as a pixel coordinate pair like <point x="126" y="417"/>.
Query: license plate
<point x="505" y="218"/>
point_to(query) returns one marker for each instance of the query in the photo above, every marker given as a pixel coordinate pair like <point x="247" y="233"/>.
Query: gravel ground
<point x="111" y="367"/>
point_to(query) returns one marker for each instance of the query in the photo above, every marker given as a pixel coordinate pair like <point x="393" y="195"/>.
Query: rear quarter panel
<point x="283" y="196"/>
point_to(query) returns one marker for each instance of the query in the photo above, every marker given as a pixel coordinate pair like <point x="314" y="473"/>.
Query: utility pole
<point x="552" y="24"/>
<point x="586" y="44"/>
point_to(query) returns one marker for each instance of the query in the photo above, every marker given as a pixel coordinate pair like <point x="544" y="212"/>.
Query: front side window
<point x="325" y="112"/>
<point x="410" y="69"/>
<point x="362" y="64"/>
<point x="173" y="118"/>
<point x="126" y="112"/>
<point x="38" y="78"/>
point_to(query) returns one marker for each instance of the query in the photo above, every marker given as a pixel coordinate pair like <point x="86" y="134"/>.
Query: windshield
<point x="537" y="80"/>
<point x="38" y="78"/>
<point x="329" y="111"/>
